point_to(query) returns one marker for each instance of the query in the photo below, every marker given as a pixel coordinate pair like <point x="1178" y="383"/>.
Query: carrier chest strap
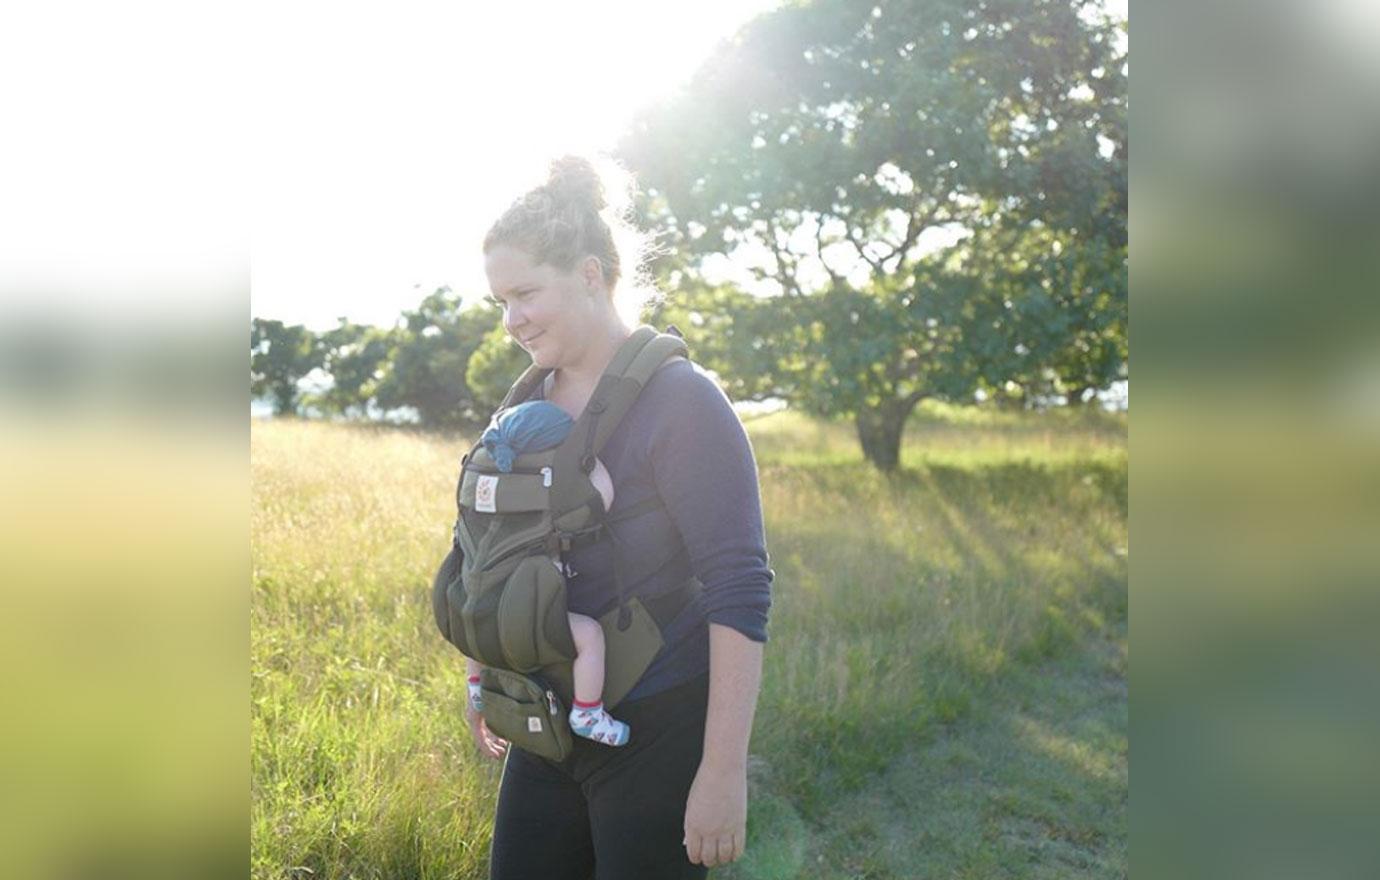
<point x="564" y="541"/>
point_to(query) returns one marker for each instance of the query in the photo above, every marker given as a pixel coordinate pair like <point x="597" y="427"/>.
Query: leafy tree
<point x="494" y="367"/>
<point x="837" y="144"/>
<point x="430" y="357"/>
<point x="1058" y="312"/>
<point x="279" y="356"/>
<point x="356" y="357"/>
<point x="733" y="333"/>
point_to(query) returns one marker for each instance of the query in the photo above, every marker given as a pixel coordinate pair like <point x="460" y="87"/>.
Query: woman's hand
<point x="716" y="811"/>
<point x="490" y="745"/>
<point x="716" y="816"/>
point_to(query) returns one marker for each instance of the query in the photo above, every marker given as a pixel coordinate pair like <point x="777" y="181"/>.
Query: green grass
<point x="1031" y="782"/>
<point x="985" y="569"/>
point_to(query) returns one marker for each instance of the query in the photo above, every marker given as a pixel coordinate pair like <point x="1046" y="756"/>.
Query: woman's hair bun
<point x="575" y="179"/>
<point x="583" y="209"/>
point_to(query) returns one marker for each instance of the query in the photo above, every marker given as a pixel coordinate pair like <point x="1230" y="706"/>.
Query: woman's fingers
<point x="496" y="746"/>
<point x="725" y="848"/>
<point x="692" y="848"/>
<point x="712" y="851"/>
<point x="489" y="745"/>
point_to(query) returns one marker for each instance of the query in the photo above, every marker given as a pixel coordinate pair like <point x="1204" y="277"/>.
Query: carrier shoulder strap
<point x="618" y="389"/>
<point x="633" y="361"/>
<point x="528" y="382"/>
<point x="640" y="355"/>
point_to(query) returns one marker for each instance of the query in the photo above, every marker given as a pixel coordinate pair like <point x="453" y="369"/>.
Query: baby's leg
<point x="589" y="658"/>
<point x="587" y="716"/>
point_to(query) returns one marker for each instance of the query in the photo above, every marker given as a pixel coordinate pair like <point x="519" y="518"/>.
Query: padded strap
<point x="632" y="365"/>
<point x="527" y="383"/>
<point x="623" y="391"/>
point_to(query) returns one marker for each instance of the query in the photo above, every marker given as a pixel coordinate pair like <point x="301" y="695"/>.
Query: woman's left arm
<point x="716" y="812"/>
<point x="706" y="476"/>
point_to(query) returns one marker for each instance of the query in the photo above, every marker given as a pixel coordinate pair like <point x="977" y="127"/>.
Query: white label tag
<point x="534" y="725"/>
<point x="484" y="493"/>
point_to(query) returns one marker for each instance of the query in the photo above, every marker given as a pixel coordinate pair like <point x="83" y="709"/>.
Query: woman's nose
<point x="512" y="319"/>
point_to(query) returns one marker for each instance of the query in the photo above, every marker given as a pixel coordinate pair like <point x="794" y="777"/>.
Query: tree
<point x="733" y="333"/>
<point x="837" y="145"/>
<point x="494" y="367"/>
<point x="430" y="357"/>
<point x="1058" y="313"/>
<point x="356" y="357"/>
<point x="279" y="356"/>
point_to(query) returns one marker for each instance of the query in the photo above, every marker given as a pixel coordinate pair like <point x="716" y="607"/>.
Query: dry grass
<point x="898" y="604"/>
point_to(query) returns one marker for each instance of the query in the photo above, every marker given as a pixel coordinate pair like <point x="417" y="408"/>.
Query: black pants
<point x="604" y="812"/>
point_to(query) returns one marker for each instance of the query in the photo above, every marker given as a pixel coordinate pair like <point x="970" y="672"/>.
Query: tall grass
<point x="897" y="602"/>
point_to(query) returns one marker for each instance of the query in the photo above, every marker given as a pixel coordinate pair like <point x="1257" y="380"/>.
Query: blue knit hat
<point x="527" y="427"/>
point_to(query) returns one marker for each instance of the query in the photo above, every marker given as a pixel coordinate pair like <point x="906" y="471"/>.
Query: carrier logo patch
<point x="485" y="491"/>
<point x="534" y="725"/>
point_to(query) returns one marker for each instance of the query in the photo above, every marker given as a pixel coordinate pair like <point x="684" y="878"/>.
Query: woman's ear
<point x="592" y="272"/>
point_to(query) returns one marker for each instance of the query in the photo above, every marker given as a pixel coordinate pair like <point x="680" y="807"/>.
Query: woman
<point x="672" y="801"/>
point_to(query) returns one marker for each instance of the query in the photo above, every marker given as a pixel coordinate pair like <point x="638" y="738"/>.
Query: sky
<point x="334" y="159"/>
<point x="388" y="148"/>
<point x="388" y="142"/>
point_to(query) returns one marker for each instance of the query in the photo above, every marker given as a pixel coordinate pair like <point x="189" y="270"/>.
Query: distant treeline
<point x="448" y="366"/>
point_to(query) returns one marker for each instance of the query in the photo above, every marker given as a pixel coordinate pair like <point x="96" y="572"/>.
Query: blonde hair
<point x="581" y="210"/>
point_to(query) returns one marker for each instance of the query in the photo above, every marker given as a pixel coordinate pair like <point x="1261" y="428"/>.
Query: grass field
<point x="944" y="689"/>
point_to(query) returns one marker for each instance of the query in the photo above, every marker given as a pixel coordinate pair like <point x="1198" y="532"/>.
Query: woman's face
<point x="552" y="314"/>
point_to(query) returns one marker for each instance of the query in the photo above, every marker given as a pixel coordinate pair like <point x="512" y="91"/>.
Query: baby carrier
<point x="500" y="594"/>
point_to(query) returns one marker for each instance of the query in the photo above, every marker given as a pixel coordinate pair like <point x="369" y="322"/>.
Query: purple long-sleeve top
<point x="681" y="441"/>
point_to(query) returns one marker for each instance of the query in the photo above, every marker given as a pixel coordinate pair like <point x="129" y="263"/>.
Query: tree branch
<point x="785" y="265"/>
<point x="911" y="399"/>
<point x="876" y="265"/>
<point x="834" y="278"/>
<point x="914" y="226"/>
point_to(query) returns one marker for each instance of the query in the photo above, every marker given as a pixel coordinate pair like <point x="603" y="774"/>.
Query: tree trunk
<point x="879" y="431"/>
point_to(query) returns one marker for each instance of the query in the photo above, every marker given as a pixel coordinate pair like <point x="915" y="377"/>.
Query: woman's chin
<point x="539" y="359"/>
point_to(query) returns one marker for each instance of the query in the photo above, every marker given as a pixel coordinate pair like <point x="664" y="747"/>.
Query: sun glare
<point x="380" y="166"/>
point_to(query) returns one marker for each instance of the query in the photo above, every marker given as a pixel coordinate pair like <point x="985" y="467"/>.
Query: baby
<point x="533" y="427"/>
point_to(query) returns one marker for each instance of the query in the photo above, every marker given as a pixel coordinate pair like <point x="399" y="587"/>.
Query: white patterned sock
<point x="592" y="722"/>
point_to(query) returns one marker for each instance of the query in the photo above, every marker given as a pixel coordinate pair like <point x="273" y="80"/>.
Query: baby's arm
<point x="472" y="668"/>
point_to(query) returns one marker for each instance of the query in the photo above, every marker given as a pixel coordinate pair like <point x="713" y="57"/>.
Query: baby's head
<point x="528" y="427"/>
<point x="535" y="426"/>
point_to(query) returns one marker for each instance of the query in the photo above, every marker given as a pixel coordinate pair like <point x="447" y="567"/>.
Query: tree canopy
<point x="898" y="175"/>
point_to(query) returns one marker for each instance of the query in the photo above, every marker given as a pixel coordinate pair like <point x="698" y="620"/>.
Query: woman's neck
<point x="576" y="380"/>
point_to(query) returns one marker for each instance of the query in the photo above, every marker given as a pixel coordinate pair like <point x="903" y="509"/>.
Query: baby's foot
<point x="592" y="722"/>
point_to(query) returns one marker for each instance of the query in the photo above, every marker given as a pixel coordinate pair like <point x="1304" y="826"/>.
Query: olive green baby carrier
<point x="500" y="595"/>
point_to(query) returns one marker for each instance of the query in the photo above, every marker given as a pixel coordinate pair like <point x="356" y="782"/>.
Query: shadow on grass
<point x="1033" y="784"/>
<point x="904" y="632"/>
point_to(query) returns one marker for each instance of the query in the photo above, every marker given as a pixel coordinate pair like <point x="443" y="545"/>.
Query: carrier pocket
<point x="533" y="626"/>
<point x="526" y="712"/>
<point x="525" y="488"/>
